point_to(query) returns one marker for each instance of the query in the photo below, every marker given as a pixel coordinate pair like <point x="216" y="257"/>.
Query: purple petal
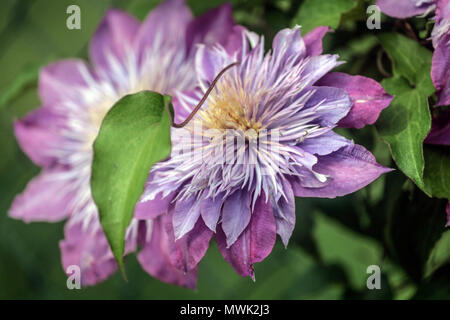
<point x="46" y="198"/>
<point x="236" y="214"/>
<point x="284" y="211"/>
<point x="113" y="39"/>
<point x="319" y="66"/>
<point x="324" y="144"/>
<point x="254" y="244"/>
<point x="368" y="97"/>
<point x="313" y="40"/>
<point x="440" y="130"/>
<point x="448" y="215"/>
<point x="186" y="252"/>
<point x="210" y="209"/>
<point x="185" y="216"/>
<point x="87" y="248"/>
<point x="211" y="28"/>
<point x="404" y="8"/>
<point x="208" y="63"/>
<point x="288" y="44"/>
<point x="58" y="81"/>
<point x="167" y="23"/>
<point x="39" y="135"/>
<point x="440" y="71"/>
<point x="154" y="258"/>
<point x="150" y="209"/>
<point x="349" y="170"/>
<point x="331" y="105"/>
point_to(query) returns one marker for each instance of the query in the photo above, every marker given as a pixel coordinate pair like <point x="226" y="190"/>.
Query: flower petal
<point x="186" y="252"/>
<point x="186" y="214"/>
<point x="150" y="209"/>
<point x="329" y="105"/>
<point x="154" y="258"/>
<point x="324" y="144"/>
<point x="254" y="244"/>
<point x="313" y="40"/>
<point x="288" y="44"/>
<point x="284" y="211"/>
<point x="113" y="39"/>
<point x="236" y="214"/>
<point x="448" y="215"/>
<point x="88" y="249"/>
<point x="46" y="198"/>
<point x="211" y="28"/>
<point x="368" y="97"/>
<point x="58" y="81"/>
<point x="39" y="134"/>
<point x="440" y="130"/>
<point x="404" y="8"/>
<point x="440" y="71"/>
<point x="166" y="23"/>
<point x="210" y="209"/>
<point x="349" y="169"/>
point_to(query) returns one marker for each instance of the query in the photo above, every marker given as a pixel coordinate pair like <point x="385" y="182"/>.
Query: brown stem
<point x="205" y="96"/>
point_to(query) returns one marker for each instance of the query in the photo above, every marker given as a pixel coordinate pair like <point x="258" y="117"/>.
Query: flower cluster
<point x="281" y="105"/>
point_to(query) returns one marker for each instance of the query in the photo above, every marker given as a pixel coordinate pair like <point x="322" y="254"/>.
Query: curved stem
<point x="205" y="96"/>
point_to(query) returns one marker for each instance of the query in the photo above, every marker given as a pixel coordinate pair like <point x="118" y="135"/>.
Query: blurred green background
<point x="334" y="241"/>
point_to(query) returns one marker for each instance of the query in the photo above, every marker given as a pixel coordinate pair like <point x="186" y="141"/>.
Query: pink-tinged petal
<point x="60" y="80"/>
<point x="186" y="253"/>
<point x="166" y="23"/>
<point x="211" y="28"/>
<point x="237" y="40"/>
<point x="368" y="97"/>
<point x="348" y="170"/>
<point x="87" y="248"/>
<point x="185" y="216"/>
<point x="210" y="209"/>
<point x="440" y="71"/>
<point x="150" y="209"/>
<point x="448" y="215"/>
<point x="404" y="8"/>
<point x="254" y="244"/>
<point x="39" y="135"/>
<point x="154" y="258"/>
<point x="46" y="198"/>
<point x="313" y="40"/>
<point x="113" y="40"/>
<point x="440" y="130"/>
<point x="284" y="211"/>
<point x="236" y="214"/>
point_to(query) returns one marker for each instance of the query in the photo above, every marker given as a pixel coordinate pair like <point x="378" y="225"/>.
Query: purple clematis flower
<point x="279" y="109"/>
<point x="440" y="68"/>
<point x="127" y="57"/>
<point x="406" y="8"/>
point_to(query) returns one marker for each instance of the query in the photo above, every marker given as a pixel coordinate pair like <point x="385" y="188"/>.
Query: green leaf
<point x="437" y="171"/>
<point x="406" y="123"/>
<point x="133" y="136"/>
<point x="313" y="13"/>
<point x="340" y="245"/>
<point x="404" y="126"/>
<point x="440" y="254"/>
<point x="409" y="58"/>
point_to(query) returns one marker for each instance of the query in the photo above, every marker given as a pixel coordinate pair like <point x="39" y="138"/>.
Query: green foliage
<point x="406" y="123"/>
<point x="313" y="13"/>
<point x="133" y="136"/>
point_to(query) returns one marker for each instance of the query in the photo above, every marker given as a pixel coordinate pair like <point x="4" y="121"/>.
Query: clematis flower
<point x="126" y="57"/>
<point x="440" y="36"/>
<point x="279" y="109"/>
